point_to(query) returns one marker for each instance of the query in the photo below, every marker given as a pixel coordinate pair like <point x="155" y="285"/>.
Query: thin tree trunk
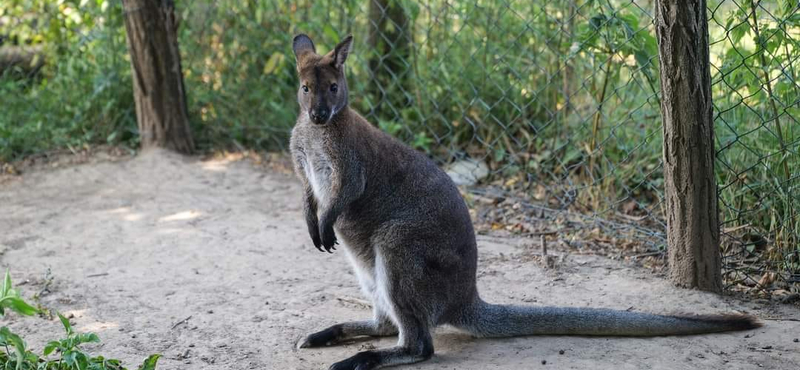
<point x="690" y="186"/>
<point x="390" y="62"/>
<point x="158" y="89"/>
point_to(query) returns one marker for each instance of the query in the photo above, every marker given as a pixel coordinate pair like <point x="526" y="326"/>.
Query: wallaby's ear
<point x="302" y="45"/>
<point x="341" y="51"/>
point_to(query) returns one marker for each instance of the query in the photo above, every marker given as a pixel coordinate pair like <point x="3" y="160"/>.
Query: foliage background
<point x="559" y="98"/>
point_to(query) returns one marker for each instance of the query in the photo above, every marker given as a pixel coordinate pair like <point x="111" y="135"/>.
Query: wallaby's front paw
<point x="316" y="239"/>
<point x="329" y="239"/>
<point x="313" y="231"/>
<point x="361" y="361"/>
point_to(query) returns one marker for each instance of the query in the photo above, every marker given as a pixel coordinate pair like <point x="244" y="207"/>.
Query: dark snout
<point x="319" y="115"/>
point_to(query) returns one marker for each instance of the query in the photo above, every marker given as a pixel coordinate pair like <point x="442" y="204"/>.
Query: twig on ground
<point x="184" y="321"/>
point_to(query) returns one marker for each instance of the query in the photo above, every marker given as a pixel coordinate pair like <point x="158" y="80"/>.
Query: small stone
<point x="210" y="311"/>
<point x="544" y="362"/>
<point x="191" y="345"/>
<point x="561" y="352"/>
<point x="467" y="171"/>
<point x="796" y="340"/>
<point x="766" y="347"/>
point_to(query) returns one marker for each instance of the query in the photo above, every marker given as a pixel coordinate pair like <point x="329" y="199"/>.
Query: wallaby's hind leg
<point x="415" y="345"/>
<point x="400" y="298"/>
<point x="378" y="327"/>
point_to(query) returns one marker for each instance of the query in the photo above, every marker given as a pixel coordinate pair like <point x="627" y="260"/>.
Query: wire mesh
<point x="552" y="103"/>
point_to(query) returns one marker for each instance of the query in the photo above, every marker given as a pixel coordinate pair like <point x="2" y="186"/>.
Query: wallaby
<point x="408" y="234"/>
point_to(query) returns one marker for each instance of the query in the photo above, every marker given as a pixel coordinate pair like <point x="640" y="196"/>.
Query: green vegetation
<point x="562" y="94"/>
<point x="69" y="355"/>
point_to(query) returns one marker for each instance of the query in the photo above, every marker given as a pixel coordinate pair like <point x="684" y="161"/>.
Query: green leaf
<point x="273" y="63"/>
<point x="18" y="305"/>
<point x="18" y="344"/>
<point x="86" y="338"/>
<point x="598" y="21"/>
<point x="6" y="284"/>
<point x="69" y="358"/>
<point x="50" y="347"/>
<point x="81" y="360"/>
<point x="150" y="362"/>
<point x="65" y="322"/>
<point x="330" y="32"/>
<point x="738" y="32"/>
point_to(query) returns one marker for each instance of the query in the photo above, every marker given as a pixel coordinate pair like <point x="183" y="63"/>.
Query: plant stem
<point x="596" y="120"/>
<point x="760" y="48"/>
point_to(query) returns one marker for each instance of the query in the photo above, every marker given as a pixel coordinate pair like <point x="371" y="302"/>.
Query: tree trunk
<point x="158" y="89"/>
<point x="390" y="63"/>
<point x="690" y="186"/>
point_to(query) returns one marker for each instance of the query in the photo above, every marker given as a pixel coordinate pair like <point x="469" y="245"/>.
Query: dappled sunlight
<point x="133" y="217"/>
<point x="74" y="313"/>
<point x="120" y="210"/>
<point x="91" y="326"/>
<point x="181" y="216"/>
<point x="126" y="214"/>
<point x="95" y="327"/>
<point x="220" y="161"/>
<point x="216" y="166"/>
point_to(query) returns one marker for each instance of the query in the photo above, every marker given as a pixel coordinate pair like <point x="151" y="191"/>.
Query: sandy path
<point x="139" y="245"/>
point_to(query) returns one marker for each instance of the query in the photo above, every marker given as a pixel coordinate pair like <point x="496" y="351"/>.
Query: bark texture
<point x="690" y="186"/>
<point x="158" y="88"/>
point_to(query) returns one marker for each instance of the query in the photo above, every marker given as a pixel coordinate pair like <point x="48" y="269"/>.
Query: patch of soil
<point x="208" y="262"/>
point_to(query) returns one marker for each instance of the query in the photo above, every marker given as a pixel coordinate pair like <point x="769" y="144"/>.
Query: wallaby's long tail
<point x="491" y="320"/>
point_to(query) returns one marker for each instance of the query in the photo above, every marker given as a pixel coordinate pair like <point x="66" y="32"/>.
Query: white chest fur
<point x="318" y="171"/>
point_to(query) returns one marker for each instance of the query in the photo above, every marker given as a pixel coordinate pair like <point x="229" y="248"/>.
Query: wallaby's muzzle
<point x="319" y="116"/>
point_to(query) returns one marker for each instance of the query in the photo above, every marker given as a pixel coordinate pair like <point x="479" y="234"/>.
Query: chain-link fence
<point x="756" y="94"/>
<point x="554" y="104"/>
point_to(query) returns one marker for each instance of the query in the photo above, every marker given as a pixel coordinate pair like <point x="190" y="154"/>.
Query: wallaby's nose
<point x="319" y="116"/>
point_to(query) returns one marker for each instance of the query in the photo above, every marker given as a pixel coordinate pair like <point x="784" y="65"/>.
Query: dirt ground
<point x="208" y="263"/>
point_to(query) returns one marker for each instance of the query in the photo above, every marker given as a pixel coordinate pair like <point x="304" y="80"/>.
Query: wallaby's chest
<point x="316" y="165"/>
<point x="318" y="170"/>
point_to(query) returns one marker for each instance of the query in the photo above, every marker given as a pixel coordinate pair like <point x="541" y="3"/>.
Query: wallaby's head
<point x="323" y="88"/>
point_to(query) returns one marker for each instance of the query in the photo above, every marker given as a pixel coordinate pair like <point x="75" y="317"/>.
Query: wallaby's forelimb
<point x="309" y="205"/>
<point x="310" y="213"/>
<point x="340" y="197"/>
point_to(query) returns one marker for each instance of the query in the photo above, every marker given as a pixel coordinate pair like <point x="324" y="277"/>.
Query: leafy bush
<point x="70" y="355"/>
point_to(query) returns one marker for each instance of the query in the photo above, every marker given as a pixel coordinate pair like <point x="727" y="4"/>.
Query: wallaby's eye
<point x="334" y="87"/>
<point x="305" y="89"/>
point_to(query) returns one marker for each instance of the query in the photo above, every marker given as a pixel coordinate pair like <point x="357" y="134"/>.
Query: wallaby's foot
<point x="416" y="345"/>
<point x="361" y="361"/>
<point x="388" y="357"/>
<point x="346" y="331"/>
<point x="320" y="339"/>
